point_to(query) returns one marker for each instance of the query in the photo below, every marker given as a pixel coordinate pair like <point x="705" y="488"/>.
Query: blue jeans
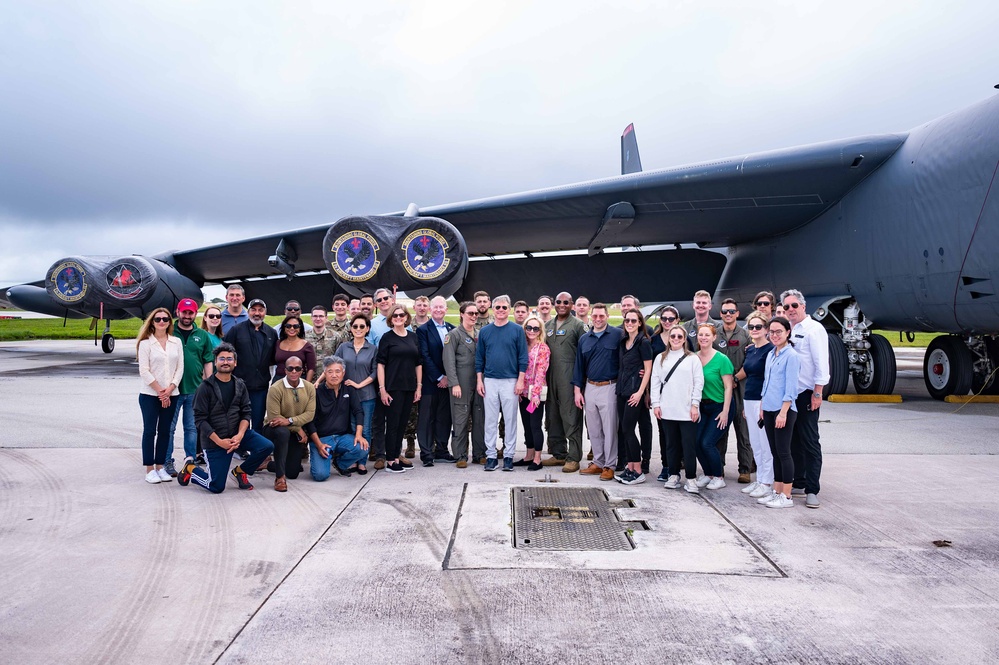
<point x="708" y="435"/>
<point x="343" y="451"/>
<point x="156" y="421"/>
<point x="258" y="407"/>
<point x="254" y="446"/>
<point x="185" y="403"/>
<point x="368" y="406"/>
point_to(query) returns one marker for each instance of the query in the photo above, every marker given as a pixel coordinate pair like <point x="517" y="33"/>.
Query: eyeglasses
<point x="358" y="326"/>
<point x="763" y="303"/>
<point x="291" y="326"/>
<point x="503" y="307"/>
<point x="563" y="302"/>
<point x="677" y="336"/>
<point x="213" y="316"/>
<point x="383" y="299"/>
<point x="792" y="305"/>
<point x="754" y="326"/>
<point x="729" y="311"/>
<point x="225" y="359"/>
<point x="532" y="328"/>
<point x="776" y="331"/>
<point x="399" y="315"/>
<point x="161" y="319"/>
<point x="473" y="312"/>
<point x="292" y="369"/>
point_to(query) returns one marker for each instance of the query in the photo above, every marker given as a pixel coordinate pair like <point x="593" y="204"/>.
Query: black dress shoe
<point x="534" y="467"/>
<point x="428" y="462"/>
<point x="447" y="458"/>
<point x="522" y="462"/>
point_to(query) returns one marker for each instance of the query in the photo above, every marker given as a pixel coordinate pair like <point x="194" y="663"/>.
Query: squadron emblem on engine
<point x="124" y="281"/>
<point x="425" y="254"/>
<point x="68" y="279"/>
<point x="354" y="256"/>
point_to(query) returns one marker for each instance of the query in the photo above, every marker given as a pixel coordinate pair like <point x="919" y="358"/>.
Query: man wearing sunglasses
<point x="811" y="342"/>
<point x="467" y="411"/>
<point x="198" y="359"/>
<point x="565" y="419"/>
<point x="291" y="405"/>
<point x="294" y="308"/>
<point x="734" y="339"/>
<point x="255" y="342"/>
<point x="384" y="299"/>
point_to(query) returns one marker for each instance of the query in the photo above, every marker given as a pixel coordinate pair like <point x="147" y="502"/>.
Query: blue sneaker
<point x="663" y="476"/>
<point x="491" y="464"/>
<point x="508" y="464"/>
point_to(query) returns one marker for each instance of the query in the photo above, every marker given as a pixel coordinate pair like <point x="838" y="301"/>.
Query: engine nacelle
<point x="115" y="287"/>
<point x="423" y="256"/>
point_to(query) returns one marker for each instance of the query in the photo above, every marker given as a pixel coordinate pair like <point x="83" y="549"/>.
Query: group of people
<point x="349" y="388"/>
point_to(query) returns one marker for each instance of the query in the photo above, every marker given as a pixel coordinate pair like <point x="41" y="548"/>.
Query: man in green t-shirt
<point x="198" y="364"/>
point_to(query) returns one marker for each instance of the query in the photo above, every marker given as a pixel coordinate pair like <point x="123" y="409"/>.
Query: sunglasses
<point x="213" y="316"/>
<point x="359" y="327"/>
<point x="668" y="319"/>
<point x="792" y="305"/>
<point x="291" y="326"/>
<point x="763" y="303"/>
<point x="382" y="299"/>
<point x="563" y="302"/>
<point x="293" y="309"/>
<point x="473" y="312"/>
<point x="399" y="315"/>
<point x="532" y="328"/>
<point x="677" y="336"/>
<point x="754" y="326"/>
<point x="161" y="319"/>
<point x="503" y="307"/>
<point x="729" y="311"/>
<point x="292" y="369"/>
<point x="631" y="320"/>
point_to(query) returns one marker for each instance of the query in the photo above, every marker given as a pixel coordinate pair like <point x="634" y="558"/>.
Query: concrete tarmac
<point x="101" y="567"/>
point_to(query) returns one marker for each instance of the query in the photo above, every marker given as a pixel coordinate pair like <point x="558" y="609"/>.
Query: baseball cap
<point x="257" y="301"/>
<point x="187" y="305"/>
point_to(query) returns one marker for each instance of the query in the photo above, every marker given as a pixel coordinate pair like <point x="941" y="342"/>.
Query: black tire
<point x="839" y="367"/>
<point x="880" y="380"/>
<point x="947" y="367"/>
<point x="988" y="384"/>
<point x="107" y="343"/>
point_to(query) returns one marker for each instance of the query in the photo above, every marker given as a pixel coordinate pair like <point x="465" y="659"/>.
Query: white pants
<point x="761" y="445"/>
<point x="500" y="395"/>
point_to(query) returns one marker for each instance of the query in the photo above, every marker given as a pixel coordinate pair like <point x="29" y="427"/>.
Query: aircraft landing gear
<point x="107" y="339"/>
<point x="854" y="351"/>
<point x="985" y="352"/>
<point x="947" y="367"/>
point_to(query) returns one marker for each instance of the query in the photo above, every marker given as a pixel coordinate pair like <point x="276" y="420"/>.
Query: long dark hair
<point x="282" y="335"/>
<point x="785" y="324"/>
<point x="641" y="332"/>
<point x="659" y="327"/>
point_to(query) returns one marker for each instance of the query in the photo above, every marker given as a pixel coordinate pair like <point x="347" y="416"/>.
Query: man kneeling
<point x="222" y="417"/>
<point x="331" y="438"/>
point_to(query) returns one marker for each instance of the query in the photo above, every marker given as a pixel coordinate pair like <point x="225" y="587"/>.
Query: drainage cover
<point x="569" y="518"/>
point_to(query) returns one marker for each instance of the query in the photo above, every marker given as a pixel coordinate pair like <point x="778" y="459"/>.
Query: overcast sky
<point x="139" y="127"/>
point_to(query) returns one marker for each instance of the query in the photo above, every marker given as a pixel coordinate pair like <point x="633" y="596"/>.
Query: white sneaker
<point x="768" y="497"/>
<point x="152" y="477"/>
<point x="716" y="483"/>
<point x="761" y="490"/>
<point x="672" y="482"/>
<point x="692" y="487"/>
<point x="780" y="501"/>
<point x="164" y="476"/>
<point x="750" y="488"/>
<point x="702" y="481"/>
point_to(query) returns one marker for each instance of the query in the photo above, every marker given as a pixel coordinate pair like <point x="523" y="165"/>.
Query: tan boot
<point x="570" y="467"/>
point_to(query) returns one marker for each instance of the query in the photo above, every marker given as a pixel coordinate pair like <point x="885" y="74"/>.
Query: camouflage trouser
<point x="414" y="415"/>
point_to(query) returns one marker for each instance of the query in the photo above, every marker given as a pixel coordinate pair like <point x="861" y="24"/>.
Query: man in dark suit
<point x="254" y="342"/>
<point x="434" y="425"/>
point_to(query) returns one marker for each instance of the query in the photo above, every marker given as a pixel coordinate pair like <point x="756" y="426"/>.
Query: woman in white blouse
<point x="676" y="385"/>
<point x="161" y="366"/>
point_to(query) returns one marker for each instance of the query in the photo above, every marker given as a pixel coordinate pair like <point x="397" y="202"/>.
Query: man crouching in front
<point x="335" y="434"/>
<point x="222" y="416"/>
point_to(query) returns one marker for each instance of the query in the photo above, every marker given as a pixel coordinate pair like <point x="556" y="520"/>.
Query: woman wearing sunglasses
<point x="780" y="389"/>
<point x="715" y="403"/>
<point x="400" y="378"/>
<point x="676" y="385"/>
<point x="668" y="317"/>
<point x="161" y="368"/>
<point x="361" y="370"/>
<point x="211" y="323"/>
<point x="291" y="342"/>
<point x="751" y="375"/>
<point x="531" y="407"/>
<point x="635" y="370"/>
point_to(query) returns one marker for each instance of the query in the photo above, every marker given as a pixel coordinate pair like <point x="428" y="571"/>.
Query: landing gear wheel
<point x="107" y="343"/>
<point x="839" y="367"/>
<point x="988" y="385"/>
<point x="947" y="367"/>
<point x="879" y="377"/>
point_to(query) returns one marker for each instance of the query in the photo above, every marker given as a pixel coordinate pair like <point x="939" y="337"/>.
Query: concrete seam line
<point x="454" y="529"/>
<point x="747" y="538"/>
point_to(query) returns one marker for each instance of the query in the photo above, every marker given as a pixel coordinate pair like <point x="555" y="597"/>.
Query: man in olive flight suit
<point x="467" y="408"/>
<point x="565" y="419"/>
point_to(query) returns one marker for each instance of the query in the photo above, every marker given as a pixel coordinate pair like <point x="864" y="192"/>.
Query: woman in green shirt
<point x="715" y="400"/>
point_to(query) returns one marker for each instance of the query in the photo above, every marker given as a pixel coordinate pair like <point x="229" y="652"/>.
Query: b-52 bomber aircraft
<point x="898" y="231"/>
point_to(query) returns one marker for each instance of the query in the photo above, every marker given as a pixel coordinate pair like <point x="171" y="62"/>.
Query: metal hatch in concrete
<point x="569" y="518"/>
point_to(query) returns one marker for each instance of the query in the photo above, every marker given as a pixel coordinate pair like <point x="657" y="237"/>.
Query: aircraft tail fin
<point x="631" y="162"/>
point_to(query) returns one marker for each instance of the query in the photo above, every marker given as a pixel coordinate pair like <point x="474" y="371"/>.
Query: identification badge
<point x="468" y="340"/>
<point x="722" y="344"/>
<point x="551" y="332"/>
<point x="560" y="332"/>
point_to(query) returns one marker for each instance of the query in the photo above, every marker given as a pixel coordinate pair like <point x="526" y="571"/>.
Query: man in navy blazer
<point x="434" y="425"/>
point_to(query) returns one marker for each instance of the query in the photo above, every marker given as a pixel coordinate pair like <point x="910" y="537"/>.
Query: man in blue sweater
<point x="500" y="365"/>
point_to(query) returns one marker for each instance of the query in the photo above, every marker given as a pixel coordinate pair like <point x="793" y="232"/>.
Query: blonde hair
<point x="541" y="333"/>
<point x="147" y="330"/>
<point x="683" y="347"/>
<point x="756" y="314"/>
<point x="204" y="321"/>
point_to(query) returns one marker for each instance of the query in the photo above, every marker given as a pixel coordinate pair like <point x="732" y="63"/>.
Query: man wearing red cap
<point x="198" y="363"/>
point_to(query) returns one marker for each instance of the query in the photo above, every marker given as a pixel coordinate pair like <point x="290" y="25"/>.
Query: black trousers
<point x="780" y="444"/>
<point x="396" y="415"/>
<point x="805" y="448"/>
<point x="287" y="451"/>
<point x="645" y="433"/>
<point x="434" y="424"/>
<point x="681" y="443"/>
<point x="534" y="437"/>
<point x="377" y="450"/>
<point x="629" y="448"/>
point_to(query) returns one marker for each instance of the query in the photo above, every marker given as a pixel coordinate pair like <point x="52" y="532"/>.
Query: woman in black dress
<point x="400" y="376"/>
